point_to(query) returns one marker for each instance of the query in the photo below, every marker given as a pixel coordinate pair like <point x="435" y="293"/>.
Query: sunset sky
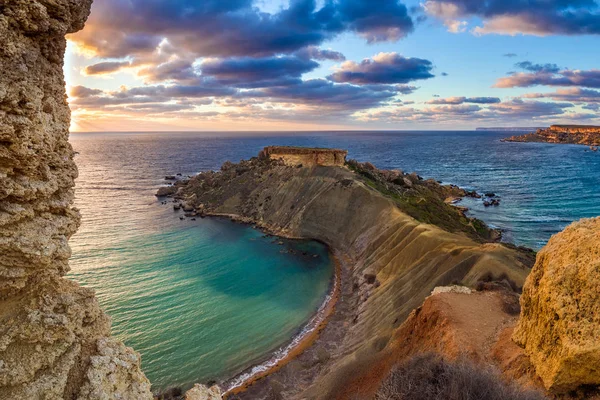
<point x="160" y="65"/>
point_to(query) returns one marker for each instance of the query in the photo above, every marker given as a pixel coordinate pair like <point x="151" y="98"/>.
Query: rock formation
<point x="54" y="338"/>
<point x="295" y="156"/>
<point x="391" y="261"/>
<point x="565" y="134"/>
<point x="560" y="319"/>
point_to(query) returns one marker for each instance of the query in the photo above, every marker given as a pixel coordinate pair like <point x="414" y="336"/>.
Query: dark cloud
<point x="257" y="72"/>
<point x="321" y="92"/>
<point x="462" y="100"/>
<point x="537" y="17"/>
<point x="529" y="66"/>
<point x="384" y="68"/>
<point x="107" y="67"/>
<point x="383" y="20"/>
<point x="567" y="77"/>
<point x="217" y="28"/>
<point x="592" y="106"/>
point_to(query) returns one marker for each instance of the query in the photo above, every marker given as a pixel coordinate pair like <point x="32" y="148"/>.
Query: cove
<point x="208" y="299"/>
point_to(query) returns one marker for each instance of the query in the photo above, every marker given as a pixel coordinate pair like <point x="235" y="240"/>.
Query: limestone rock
<point x="201" y="392"/>
<point x="54" y="338"/>
<point x="560" y="318"/>
<point x="115" y="374"/>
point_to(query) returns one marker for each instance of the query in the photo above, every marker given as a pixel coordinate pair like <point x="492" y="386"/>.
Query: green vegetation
<point x="425" y="202"/>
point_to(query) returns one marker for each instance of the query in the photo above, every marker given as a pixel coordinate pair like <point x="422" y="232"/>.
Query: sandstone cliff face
<point x="54" y="338"/>
<point x="308" y="157"/>
<point x="392" y="262"/>
<point x="575" y="128"/>
<point x="560" y="320"/>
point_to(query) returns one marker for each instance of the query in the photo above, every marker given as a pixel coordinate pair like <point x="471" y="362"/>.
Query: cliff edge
<point x="560" y="320"/>
<point x="54" y="338"/>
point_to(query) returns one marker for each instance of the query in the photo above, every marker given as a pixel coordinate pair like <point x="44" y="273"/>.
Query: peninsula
<point x="395" y="235"/>
<point x="565" y="134"/>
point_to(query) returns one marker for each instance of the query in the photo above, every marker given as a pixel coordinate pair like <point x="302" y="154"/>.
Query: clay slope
<point x="54" y="338"/>
<point x="392" y="262"/>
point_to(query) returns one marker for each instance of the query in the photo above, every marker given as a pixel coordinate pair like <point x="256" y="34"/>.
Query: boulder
<point x="559" y="327"/>
<point x="166" y="191"/>
<point x="201" y="392"/>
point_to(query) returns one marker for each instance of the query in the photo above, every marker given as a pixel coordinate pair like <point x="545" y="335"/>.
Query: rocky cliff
<point x="54" y="338"/>
<point x="560" y="321"/>
<point x="392" y="261"/>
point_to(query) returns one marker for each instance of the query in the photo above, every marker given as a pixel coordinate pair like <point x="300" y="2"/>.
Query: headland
<point x="562" y="134"/>
<point x="395" y="234"/>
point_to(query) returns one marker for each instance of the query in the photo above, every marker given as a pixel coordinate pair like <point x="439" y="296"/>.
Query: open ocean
<point x="205" y="300"/>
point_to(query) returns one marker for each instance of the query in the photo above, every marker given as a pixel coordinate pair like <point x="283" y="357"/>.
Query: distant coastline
<point x="509" y="129"/>
<point x="587" y="135"/>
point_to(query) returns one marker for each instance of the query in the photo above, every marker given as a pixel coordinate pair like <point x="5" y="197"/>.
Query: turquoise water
<point x="200" y="300"/>
<point x="205" y="300"/>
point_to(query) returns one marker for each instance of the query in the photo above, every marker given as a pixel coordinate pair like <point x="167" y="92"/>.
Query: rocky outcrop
<point x="373" y="237"/>
<point x="560" y="320"/>
<point x="575" y="129"/>
<point x="308" y="157"/>
<point x="564" y="134"/>
<point x="201" y="392"/>
<point x="54" y="338"/>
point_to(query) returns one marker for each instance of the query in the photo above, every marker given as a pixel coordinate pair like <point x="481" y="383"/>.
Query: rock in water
<point x="54" y="339"/>
<point x="560" y="318"/>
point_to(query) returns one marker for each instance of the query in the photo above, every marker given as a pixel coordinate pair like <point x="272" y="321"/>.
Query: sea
<point x="206" y="300"/>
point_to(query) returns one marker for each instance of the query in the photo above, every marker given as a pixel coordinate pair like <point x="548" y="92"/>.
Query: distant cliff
<point x="565" y="134"/>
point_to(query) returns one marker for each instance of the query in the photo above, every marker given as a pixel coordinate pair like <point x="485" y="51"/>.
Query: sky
<point x="278" y="65"/>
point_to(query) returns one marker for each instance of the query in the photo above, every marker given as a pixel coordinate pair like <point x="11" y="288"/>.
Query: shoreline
<point x="309" y="333"/>
<point x="300" y="343"/>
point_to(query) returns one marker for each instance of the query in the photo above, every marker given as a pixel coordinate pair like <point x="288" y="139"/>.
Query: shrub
<point x="430" y="377"/>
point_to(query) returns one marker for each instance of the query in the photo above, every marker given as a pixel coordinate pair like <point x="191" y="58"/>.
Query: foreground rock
<point x="201" y="392"/>
<point x="560" y="320"/>
<point x="565" y="134"/>
<point x="54" y="338"/>
<point x="397" y="242"/>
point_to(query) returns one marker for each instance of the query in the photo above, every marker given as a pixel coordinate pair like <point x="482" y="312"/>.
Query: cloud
<point x="235" y="28"/>
<point x="107" y="67"/>
<point x="387" y="20"/>
<point x="592" y="106"/>
<point x="513" y="110"/>
<point x="511" y="17"/>
<point x="529" y="66"/>
<point x="510" y="55"/>
<point x="321" y="92"/>
<point x="82" y="92"/>
<point x="257" y="72"/>
<point x="462" y="100"/>
<point x="315" y="53"/>
<point x="384" y="68"/>
<point x="576" y="95"/>
<point x="552" y="77"/>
